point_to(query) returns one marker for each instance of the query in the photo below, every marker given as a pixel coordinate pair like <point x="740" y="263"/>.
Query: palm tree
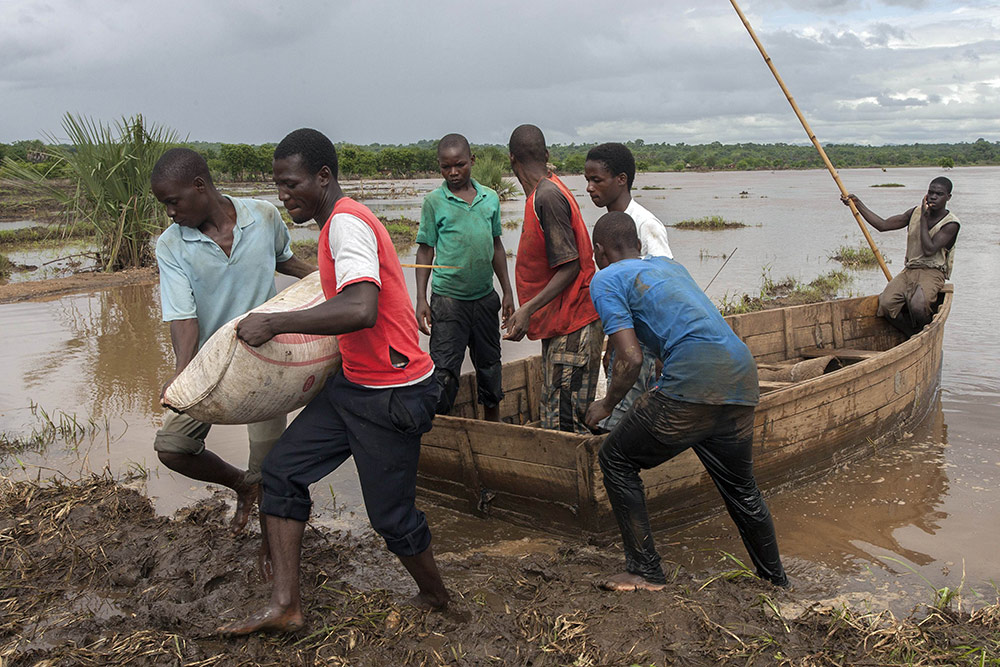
<point x="110" y="166"/>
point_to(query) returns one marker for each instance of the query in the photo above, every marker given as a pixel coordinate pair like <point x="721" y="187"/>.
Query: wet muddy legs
<point x="654" y="431"/>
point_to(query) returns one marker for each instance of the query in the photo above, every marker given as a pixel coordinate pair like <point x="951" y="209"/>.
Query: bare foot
<point x="245" y="499"/>
<point x="429" y="602"/>
<point x="626" y="581"/>
<point x="268" y="619"/>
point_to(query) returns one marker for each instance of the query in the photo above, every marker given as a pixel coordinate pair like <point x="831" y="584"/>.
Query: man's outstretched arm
<point x="881" y="224"/>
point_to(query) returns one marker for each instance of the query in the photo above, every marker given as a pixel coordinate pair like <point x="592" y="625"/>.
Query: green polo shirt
<point x="462" y="235"/>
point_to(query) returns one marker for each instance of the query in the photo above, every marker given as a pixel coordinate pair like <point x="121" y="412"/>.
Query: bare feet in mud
<point x="428" y="602"/>
<point x="268" y="619"/>
<point x="245" y="500"/>
<point x="626" y="581"/>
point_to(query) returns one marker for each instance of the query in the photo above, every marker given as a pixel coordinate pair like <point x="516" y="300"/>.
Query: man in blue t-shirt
<point x="704" y="399"/>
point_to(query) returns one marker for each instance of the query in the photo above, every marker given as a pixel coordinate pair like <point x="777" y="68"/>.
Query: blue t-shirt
<point x="703" y="360"/>
<point x="198" y="280"/>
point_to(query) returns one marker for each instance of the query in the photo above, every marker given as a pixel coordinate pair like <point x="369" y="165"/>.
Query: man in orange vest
<point x="375" y="410"/>
<point x="554" y="267"/>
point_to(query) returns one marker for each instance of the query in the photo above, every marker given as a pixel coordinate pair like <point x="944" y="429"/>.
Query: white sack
<point x="229" y="382"/>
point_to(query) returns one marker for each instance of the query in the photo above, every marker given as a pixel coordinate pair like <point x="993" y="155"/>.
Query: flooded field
<point x="84" y="372"/>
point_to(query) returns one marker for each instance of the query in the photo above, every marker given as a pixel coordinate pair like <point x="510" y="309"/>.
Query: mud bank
<point x="78" y="282"/>
<point x="90" y="575"/>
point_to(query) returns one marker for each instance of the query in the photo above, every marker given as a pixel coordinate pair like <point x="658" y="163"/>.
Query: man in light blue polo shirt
<point x="217" y="261"/>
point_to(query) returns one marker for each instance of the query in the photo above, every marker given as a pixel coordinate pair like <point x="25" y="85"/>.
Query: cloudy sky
<point x="396" y="71"/>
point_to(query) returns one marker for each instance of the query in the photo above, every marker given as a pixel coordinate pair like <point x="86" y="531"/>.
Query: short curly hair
<point x="313" y="146"/>
<point x="181" y="165"/>
<point x="616" y="158"/>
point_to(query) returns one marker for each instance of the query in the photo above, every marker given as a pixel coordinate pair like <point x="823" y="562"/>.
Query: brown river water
<point x="913" y="517"/>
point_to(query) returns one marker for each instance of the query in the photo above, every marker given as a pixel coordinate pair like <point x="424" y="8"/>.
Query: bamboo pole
<point x="815" y="141"/>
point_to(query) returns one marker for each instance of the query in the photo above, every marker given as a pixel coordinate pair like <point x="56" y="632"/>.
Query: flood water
<point x="87" y="369"/>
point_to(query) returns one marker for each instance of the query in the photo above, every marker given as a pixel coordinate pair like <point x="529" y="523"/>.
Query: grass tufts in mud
<point x="306" y="250"/>
<point x="788" y="291"/>
<point x="402" y="231"/>
<point x="888" y="185"/>
<point x="90" y="575"/>
<point x="855" y="258"/>
<point x="40" y="234"/>
<point x="18" y="202"/>
<point x="709" y="223"/>
<point x="6" y="267"/>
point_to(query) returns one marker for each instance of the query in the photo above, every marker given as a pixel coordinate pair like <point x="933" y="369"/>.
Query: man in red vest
<point x="555" y="262"/>
<point x="375" y="410"/>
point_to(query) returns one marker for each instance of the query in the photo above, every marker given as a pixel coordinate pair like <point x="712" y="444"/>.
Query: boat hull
<point x="551" y="480"/>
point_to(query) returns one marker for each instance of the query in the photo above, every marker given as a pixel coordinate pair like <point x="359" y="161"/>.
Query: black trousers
<point x="655" y="430"/>
<point x="381" y="429"/>
<point x="455" y="326"/>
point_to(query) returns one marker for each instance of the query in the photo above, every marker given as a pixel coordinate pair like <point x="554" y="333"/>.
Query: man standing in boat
<point x="553" y="271"/>
<point x="704" y="399"/>
<point x="931" y="230"/>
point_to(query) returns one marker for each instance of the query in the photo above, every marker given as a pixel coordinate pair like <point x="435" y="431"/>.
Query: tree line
<point x="252" y="162"/>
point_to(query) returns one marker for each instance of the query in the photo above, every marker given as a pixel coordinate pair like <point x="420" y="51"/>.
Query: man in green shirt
<point x="460" y="224"/>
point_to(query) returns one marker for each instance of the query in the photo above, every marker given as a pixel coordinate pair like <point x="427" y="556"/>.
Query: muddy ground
<point x="89" y="575"/>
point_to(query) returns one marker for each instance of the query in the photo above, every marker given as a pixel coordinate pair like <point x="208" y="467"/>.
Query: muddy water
<point x="917" y="511"/>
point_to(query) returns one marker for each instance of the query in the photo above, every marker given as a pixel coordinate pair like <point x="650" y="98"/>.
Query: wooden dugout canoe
<point x="877" y="386"/>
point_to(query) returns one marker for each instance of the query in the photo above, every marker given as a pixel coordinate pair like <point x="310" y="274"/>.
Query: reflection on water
<point x="926" y="504"/>
<point x="126" y="350"/>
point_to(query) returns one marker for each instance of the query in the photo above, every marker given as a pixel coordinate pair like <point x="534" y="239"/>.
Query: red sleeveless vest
<point x="572" y="309"/>
<point x="366" y="352"/>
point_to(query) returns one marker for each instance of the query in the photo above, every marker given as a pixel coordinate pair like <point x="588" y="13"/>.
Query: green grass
<point x="6" y="267"/>
<point x="788" y="291"/>
<point x="855" y="258"/>
<point x="888" y="185"/>
<point x="652" y="187"/>
<point x="712" y="223"/>
<point x="512" y="224"/>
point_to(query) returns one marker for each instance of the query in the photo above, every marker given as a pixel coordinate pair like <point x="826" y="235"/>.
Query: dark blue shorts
<point x="381" y="429"/>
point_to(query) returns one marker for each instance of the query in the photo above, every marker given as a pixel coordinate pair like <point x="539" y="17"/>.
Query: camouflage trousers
<point x="570" y="366"/>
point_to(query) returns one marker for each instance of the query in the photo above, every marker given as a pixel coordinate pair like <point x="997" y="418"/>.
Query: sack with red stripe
<point x="229" y="382"/>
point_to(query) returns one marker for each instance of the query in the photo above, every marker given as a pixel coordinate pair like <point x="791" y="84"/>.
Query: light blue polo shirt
<point x="197" y="280"/>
